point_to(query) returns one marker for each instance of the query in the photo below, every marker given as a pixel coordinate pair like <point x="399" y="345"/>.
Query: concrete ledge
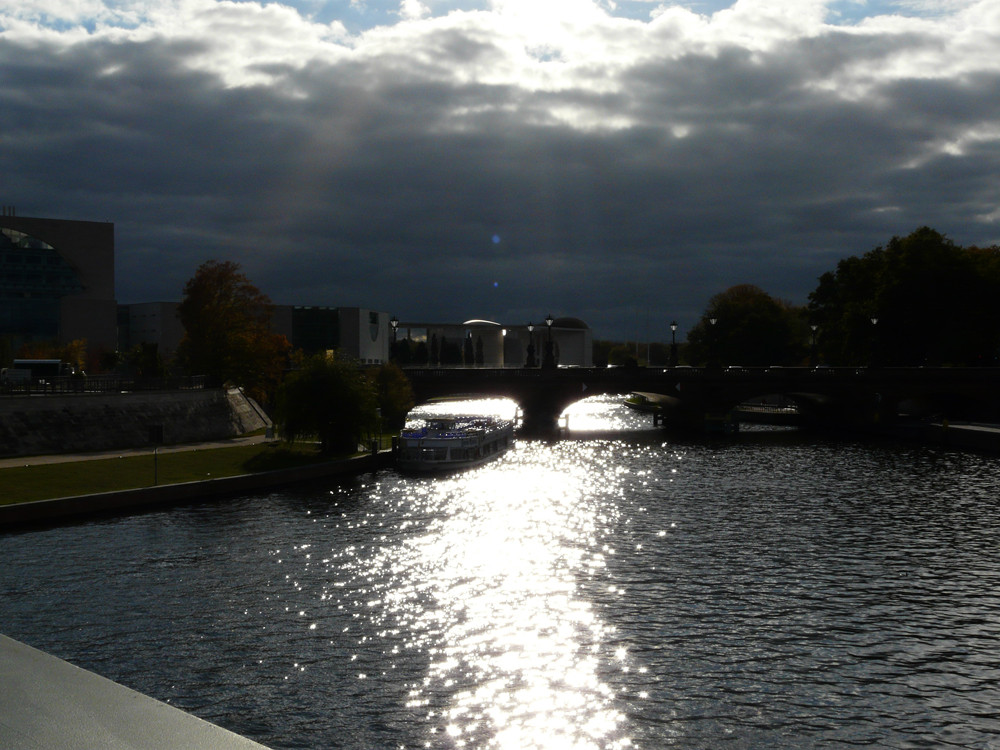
<point x="48" y="703"/>
<point x="68" y="508"/>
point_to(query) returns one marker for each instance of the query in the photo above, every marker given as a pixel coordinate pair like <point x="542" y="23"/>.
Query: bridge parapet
<point x="825" y="392"/>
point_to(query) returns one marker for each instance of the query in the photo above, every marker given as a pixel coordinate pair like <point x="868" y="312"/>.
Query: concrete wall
<point x="35" y="425"/>
<point x="58" y="510"/>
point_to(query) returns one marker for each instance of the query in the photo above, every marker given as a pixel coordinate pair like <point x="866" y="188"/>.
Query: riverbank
<point x="70" y="508"/>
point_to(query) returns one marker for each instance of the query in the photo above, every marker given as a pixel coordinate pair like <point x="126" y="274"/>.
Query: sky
<point x="618" y="161"/>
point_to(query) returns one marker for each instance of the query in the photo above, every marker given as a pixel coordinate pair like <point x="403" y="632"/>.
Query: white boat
<point x="449" y="443"/>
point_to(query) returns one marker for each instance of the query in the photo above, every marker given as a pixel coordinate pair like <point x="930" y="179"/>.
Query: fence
<point x="69" y="384"/>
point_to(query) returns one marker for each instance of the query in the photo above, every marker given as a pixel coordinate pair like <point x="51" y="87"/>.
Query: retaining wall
<point x="59" y="510"/>
<point x="36" y="425"/>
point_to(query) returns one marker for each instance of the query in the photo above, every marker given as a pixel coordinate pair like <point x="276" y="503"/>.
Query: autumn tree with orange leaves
<point x="227" y="331"/>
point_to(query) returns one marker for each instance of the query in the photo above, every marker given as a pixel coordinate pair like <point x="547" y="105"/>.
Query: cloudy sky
<point x="620" y="161"/>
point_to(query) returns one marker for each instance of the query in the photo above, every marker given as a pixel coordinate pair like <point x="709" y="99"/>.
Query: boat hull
<point x="453" y="445"/>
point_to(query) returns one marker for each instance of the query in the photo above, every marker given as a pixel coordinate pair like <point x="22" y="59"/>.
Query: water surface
<point x="624" y="590"/>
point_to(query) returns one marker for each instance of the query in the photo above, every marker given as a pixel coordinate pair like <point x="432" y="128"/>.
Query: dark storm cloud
<point x="433" y="172"/>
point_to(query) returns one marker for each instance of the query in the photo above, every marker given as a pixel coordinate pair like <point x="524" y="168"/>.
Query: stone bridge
<point x="833" y="396"/>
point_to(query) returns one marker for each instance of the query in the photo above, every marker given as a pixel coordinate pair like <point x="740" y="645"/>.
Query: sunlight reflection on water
<point x="629" y="588"/>
<point x="491" y="591"/>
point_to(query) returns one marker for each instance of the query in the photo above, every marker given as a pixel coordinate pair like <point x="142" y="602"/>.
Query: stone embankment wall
<point x="36" y="425"/>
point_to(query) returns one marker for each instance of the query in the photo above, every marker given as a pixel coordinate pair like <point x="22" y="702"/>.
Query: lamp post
<point x="812" y="348"/>
<point x="711" y="346"/>
<point x="549" y="359"/>
<point x="673" y="343"/>
<point x="530" y="360"/>
<point x="394" y="322"/>
<point x="874" y="349"/>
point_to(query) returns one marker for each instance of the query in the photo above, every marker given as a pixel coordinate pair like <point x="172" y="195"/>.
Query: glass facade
<point x="315" y="329"/>
<point x="33" y="279"/>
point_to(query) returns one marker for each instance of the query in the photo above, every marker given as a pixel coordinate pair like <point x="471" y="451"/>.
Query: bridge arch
<point x="826" y="395"/>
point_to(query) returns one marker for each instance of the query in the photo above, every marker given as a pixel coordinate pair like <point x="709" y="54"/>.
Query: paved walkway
<point x="61" y="458"/>
<point x="48" y="703"/>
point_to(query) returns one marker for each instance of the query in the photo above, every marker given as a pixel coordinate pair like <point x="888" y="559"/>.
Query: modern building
<point x="360" y="333"/>
<point x="150" y="323"/>
<point x="57" y="282"/>
<point x="489" y="344"/>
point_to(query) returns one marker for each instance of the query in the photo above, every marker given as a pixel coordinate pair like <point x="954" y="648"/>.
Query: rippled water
<point x="623" y="590"/>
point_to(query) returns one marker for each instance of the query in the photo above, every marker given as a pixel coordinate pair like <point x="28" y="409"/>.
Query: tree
<point x="420" y="354"/>
<point x="227" y="325"/>
<point x="394" y="394"/>
<point x="751" y="328"/>
<point x="330" y="398"/>
<point x="74" y="353"/>
<point x="935" y="303"/>
<point x="145" y="361"/>
<point x="622" y="355"/>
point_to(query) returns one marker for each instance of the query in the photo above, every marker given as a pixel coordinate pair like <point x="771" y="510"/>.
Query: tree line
<point x="918" y="300"/>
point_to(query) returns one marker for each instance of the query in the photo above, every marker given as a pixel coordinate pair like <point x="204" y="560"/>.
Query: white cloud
<point x="413" y="9"/>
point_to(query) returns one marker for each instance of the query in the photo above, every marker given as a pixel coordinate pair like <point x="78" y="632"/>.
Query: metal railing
<point x="69" y="384"/>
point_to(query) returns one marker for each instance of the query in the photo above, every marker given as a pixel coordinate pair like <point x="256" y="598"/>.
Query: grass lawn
<point x="41" y="482"/>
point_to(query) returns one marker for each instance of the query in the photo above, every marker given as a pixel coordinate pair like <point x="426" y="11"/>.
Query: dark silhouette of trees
<point x="420" y="353"/>
<point x="751" y="329"/>
<point x="468" y="354"/>
<point x="409" y="352"/>
<point x="145" y="361"/>
<point x="935" y="303"/>
<point x="622" y="355"/>
<point x="329" y="398"/>
<point x="227" y="330"/>
<point x="449" y="353"/>
<point x="394" y="395"/>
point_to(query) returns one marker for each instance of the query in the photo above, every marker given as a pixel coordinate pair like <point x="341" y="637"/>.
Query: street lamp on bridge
<point x="530" y="360"/>
<point x="673" y="343"/>
<point x="874" y="349"/>
<point x="712" y="355"/>
<point x="549" y="359"/>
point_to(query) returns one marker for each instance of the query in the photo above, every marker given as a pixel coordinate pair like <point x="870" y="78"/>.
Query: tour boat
<point x="449" y="443"/>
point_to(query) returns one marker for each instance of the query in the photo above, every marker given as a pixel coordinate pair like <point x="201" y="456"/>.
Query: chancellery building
<point x="57" y="285"/>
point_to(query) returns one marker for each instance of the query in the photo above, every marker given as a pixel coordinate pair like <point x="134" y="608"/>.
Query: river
<point x="616" y="589"/>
